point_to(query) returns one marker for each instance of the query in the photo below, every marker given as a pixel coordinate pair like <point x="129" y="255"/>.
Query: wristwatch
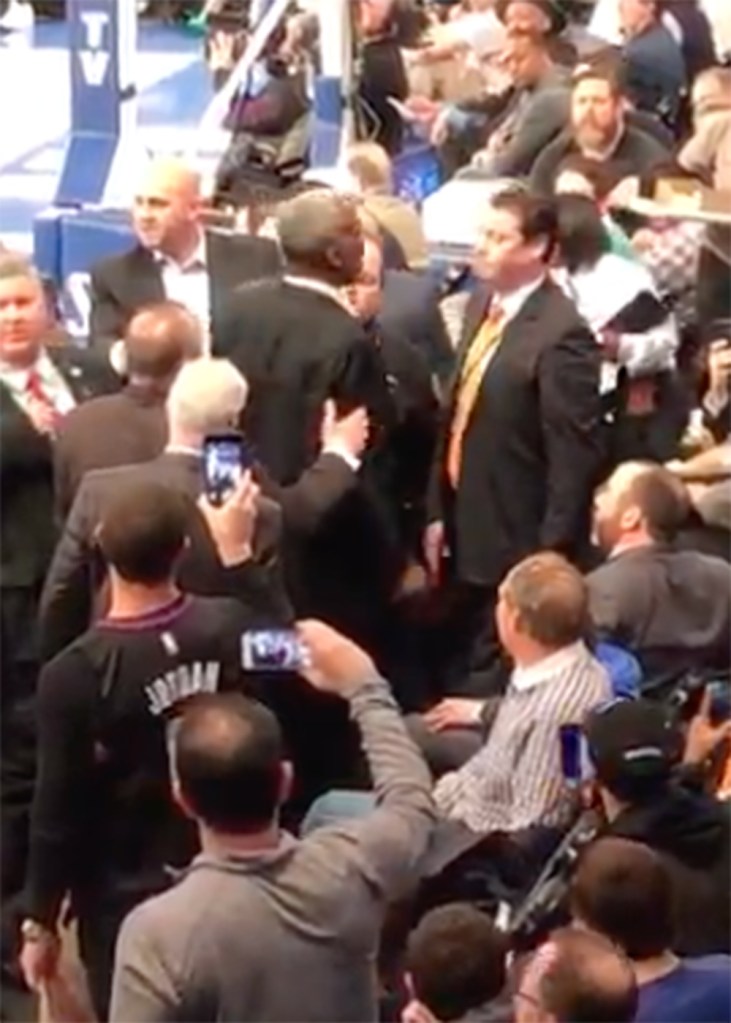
<point x="33" y="932"/>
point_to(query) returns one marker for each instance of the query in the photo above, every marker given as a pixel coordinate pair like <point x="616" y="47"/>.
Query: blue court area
<point x="35" y="111"/>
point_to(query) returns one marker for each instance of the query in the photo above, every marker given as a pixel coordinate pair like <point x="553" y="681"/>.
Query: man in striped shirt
<point x="515" y="782"/>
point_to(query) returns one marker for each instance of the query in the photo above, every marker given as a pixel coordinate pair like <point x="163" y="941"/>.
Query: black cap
<point x="551" y="8"/>
<point x="633" y="743"/>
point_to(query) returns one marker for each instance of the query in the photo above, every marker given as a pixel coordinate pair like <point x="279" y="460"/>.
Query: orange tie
<point x="468" y="387"/>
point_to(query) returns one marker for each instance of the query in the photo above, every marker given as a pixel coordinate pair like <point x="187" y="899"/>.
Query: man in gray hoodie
<point x="263" y="926"/>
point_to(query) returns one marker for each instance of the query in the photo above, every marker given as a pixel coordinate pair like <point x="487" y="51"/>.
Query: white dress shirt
<point x="53" y="383"/>
<point x="188" y="284"/>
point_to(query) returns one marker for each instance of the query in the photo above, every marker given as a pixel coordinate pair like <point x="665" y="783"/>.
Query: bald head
<point x="321" y="235"/>
<point x="577" y="977"/>
<point x="166" y="209"/>
<point x="158" y="340"/>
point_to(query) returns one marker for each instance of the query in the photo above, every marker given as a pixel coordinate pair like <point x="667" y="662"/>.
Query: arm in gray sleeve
<point x="393" y="839"/>
<point x="544" y="118"/>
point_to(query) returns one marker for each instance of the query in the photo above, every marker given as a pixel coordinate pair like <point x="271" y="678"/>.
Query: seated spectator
<point x="580" y="175"/>
<point x="534" y="111"/>
<point x="539" y="17"/>
<point x="635" y="747"/>
<point x="512" y="788"/>
<point x="120" y="429"/>
<point x="637" y="334"/>
<point x="455" y="967"/>
<point x="514" y="783"/>
<point x="670" y="608"/>
<point x="624" y="891"/>
<point x="173" y="258"/>
<point x="186" y="955"/>
<point x="103" y="826"/>
<point x="599" y="129"/>
<point x="576" y="977"/>
<point x="369" y="167"/>
<point x="708" y="154"/>
<point x="654" y="66"/>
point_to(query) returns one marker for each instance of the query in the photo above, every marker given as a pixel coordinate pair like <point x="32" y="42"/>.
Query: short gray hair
<point x="308" y="224"/>
<point x="208" y="395"/>
<point x="17" y="264"/>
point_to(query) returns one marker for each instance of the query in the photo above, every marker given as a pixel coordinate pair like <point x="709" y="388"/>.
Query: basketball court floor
<point x="35" y="103"/>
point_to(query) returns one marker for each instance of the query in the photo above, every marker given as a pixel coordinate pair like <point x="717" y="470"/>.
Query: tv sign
<point x="94" y="55"/>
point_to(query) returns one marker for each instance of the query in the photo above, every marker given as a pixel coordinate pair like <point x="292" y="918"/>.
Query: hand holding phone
<point x="226" y="457"/>
<point x="233" y="522"/>
<point x="575" y="762"/>
<point x="273" y="650"/>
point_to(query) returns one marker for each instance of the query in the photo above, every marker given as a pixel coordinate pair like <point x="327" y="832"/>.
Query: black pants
<point x="18" y="678"/>
<point x="464" y="646"/>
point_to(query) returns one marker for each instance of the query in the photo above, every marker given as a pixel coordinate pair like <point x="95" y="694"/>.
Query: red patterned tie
<point x="37" y="392"/>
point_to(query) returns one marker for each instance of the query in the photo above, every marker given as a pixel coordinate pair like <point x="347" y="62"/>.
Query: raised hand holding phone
<point x="232" y="522"/>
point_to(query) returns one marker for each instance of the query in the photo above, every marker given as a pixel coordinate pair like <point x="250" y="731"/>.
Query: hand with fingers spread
<point x="335" y="664"/>
<point x="232" y="523"/>
<point x="453" y="712"/>
<point x="345" y="435"/>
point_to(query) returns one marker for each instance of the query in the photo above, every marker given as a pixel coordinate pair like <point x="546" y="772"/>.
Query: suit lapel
<point x="144" y="279"/>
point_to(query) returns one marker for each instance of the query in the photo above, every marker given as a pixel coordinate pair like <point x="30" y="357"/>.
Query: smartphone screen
<point x="575" y="761"/>
<point x="720" y="706"/>
<point x="225" y="459"/>
<point x="272" y="650"/>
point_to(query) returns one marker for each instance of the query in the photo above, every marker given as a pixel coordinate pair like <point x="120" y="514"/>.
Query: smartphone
<point x="226" y="457"/>
<point x="720" y="706"/>
<point x="273" y="650"/>
<point x="575" y="762"/>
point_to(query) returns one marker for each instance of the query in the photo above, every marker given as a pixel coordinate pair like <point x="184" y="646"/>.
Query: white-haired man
<point x="207" y="397"/>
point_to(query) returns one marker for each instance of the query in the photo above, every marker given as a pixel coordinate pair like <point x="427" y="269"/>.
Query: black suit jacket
<point x="112" y="430"/>
<point x="121" y="285"/>
<point x="297" y="347"/>
<point x="77" y="572"/>
<point x="411" y="312"/>
<point x="533" y="450"/>
<point x="26" y="472"/>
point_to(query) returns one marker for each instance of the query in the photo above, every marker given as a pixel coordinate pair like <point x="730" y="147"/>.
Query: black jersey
<point x="103" y="818"/>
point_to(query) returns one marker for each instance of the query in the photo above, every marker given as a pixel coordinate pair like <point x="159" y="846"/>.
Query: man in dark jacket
<point x="635" y="748"/>
<point x="599" y="129"/>
<point x="39" y="386"/>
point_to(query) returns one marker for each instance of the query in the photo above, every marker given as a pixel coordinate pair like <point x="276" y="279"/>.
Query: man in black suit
<point x="410" y="310"/>
<point x="295" y="340"/>
<point x="38" y="387"/>
<point x="521" y="448"/>
<point x="174" y="257"/>
<point x="128" y="427"/>
<point x="671" y="608"/>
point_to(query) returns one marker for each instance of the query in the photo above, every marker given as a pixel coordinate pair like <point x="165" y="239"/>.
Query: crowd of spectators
<point x="484" y="513"/>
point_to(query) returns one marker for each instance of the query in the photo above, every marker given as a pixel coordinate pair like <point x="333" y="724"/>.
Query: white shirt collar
<point x="196" y="260"/>
<point x="542" y="671"/>
<point x="512" y="302"/>
<point x="16" y="378"/>
<point x="321" y="287"/>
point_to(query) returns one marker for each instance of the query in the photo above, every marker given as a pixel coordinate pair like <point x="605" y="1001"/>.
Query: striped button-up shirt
<point x="515" y="781"/>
